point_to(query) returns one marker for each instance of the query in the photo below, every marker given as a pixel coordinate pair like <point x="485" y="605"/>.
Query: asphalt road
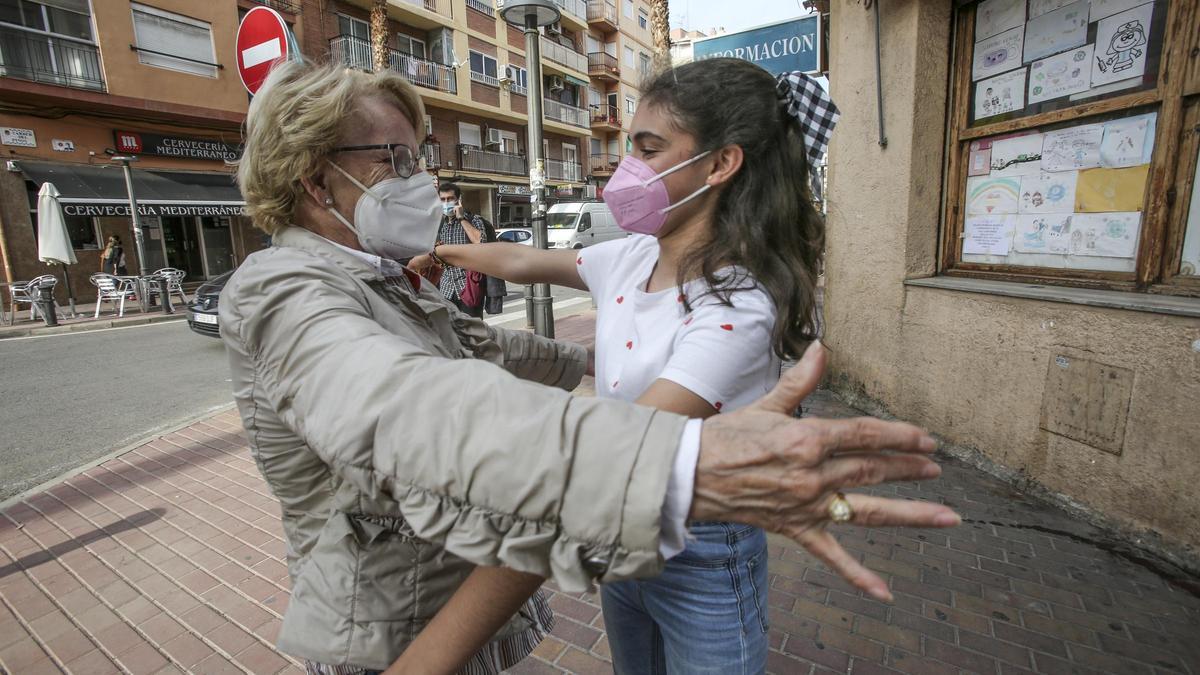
<point x="66" y="400"/>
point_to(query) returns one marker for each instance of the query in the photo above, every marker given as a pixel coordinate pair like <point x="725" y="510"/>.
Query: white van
<point x="580" y="224"/>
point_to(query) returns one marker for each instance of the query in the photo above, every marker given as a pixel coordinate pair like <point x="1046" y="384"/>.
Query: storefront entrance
<point x="201" y="246"/>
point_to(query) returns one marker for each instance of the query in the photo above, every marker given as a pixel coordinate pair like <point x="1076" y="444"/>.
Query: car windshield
<point x="561" y="220"/>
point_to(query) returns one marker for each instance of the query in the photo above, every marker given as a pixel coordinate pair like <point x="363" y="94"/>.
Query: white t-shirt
<point x="722" y="354"/>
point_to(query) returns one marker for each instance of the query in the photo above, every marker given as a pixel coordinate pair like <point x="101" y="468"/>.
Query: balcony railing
<point x="471" y="158"/>
<point x="567" y="114"/>
<point x="431" y="5"/>
<point x="41" y="57"/>
<point x="576" y="7"/>
<point x="292" y="6"/>
<point x="606" y="114"/>
<point x="605" y="163"/>
<point x="563" y="55"/>
<point x="600" y="10"/>
<point x="557" y="169"/>
<point x="423" y="72"/>
<point x="356" y="53"/>
<point x="601" y="64"/>
<point x="483" y="78"/>
<point x="432" y="154"/>
<point x="484" y="6"/>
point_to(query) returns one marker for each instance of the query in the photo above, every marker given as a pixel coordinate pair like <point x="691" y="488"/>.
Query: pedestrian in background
<point x="112" y="259"/>
<point x="460" y="226"/>
<point x="695" y="310"/>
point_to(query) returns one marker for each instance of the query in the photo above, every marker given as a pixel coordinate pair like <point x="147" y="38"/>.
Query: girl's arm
<point x="487" y="599"/>
<point x="517" y="263"/>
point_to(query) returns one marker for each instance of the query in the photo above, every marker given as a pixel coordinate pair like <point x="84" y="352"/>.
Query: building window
<point x="630" y="105"/>
<point x="71" y="18"/>
<point x="428" y="125"/>
<point x="483" y="69"/>
<point x="629" y="56"/>
<point x="410" y="45"/>
<point x="628" y="9"/>
<point x="355" y="28"/>
<point x="1057" y="173"/>
<point x="468" y="134"/>
<point x="643" y="19"/>
<point x="172" y="41"/>
<point x="643" y="65"/>
<point x="519" y="79"/>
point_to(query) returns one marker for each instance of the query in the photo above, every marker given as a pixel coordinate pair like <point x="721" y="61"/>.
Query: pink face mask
<point x="638" y="198"/>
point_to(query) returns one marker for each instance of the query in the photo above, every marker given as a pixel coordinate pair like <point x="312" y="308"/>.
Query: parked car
<point x="202" y="310"/>
<point x="516" y="235"/>
<point x="580" y="224"/>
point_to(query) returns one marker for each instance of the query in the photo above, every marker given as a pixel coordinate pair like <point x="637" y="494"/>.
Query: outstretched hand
<point x="760" y="466"/>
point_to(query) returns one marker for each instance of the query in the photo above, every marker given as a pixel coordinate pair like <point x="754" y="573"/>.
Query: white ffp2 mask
<point x="397" y="218"/>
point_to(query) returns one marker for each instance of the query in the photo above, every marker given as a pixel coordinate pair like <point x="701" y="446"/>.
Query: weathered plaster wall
<point x="973" y="367"/>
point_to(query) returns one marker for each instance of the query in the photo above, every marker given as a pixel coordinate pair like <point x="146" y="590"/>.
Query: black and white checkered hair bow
<point x="806" y="101"/>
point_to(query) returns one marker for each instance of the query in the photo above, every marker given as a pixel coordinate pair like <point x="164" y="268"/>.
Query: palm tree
<point x="379" y="35"/>
<point x="660" y="28"/>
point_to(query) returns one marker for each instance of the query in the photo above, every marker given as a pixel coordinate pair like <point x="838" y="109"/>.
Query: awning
<point x="88" y="190"/>
<point x="578" y="82"/>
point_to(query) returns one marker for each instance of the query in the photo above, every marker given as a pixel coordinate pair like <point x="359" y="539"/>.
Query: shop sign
<point x="20" y="137"/>
<point x="778" y="48"/>
<point x="512" y="189"/>
<point x="122" y="210"/>
<point x="140" y="143"/>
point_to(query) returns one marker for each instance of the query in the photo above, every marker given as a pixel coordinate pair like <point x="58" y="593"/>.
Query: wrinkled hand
<point x="762" y="467"/>
<point x="421" y="263"/>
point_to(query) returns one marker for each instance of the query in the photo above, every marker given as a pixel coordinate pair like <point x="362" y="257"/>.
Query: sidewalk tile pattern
<point x="169" y="559"/>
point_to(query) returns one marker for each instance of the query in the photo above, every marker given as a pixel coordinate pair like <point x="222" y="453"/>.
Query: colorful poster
<point x="980" y="162"/>
<point x="1107" y="88"/>
<point x="997" y="54"/>
<point x="996" y="16"/>
<point x="1073" y="148"/>
<point x="1103" y="8"/>
<point x="1001" y="94"/>
<point x="1017" y="156"/>
<point x="988" y="235"/>
<point x="1108" y="235"/>
<point x="1124" y="142"/>
<point x="1048" y="233"/>
<point x="1064" y="28"/>
<point x="1061" y="75"/>
<point x="1048" y="192"/>
<point x="992" y="196"/>
<point x="1040" y="7"/>
<point x="1102" y="190"/>
<point x="1121" y="46"/>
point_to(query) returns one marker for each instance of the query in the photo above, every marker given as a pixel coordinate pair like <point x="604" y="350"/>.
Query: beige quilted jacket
<point x="407" y="443"/>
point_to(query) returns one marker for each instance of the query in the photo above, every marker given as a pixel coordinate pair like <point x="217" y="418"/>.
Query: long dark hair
<point x="765" y="221"/>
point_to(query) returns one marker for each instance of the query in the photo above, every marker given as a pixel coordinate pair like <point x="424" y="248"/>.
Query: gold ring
<point x="839" y="509"/>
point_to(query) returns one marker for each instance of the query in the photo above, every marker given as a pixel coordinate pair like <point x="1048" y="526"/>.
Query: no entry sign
<point x="262" y="40"/>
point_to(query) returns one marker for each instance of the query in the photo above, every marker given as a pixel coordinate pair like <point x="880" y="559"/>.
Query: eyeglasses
<point x="404" y="163"/>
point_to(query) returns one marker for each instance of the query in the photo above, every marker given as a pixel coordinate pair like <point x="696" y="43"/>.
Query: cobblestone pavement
<point x="169" y="558"/>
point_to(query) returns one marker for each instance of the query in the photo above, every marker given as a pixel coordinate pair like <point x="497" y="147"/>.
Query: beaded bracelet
<point x="437" y="258"/>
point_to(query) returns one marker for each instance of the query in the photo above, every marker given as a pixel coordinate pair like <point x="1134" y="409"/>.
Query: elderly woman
<point x="408" y="443"/>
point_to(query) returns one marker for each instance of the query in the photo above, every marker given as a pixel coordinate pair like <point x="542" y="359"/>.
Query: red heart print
<point x="579" y="261"/>
<point x="629" y="345"/>
<point x="718" y="405"/>
<point x="727" y="326"/>
<point x="620" y="299"/>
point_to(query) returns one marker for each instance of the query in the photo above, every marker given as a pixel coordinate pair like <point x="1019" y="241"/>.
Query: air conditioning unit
<point x="589" y="191"/>
<point x="494" y="137"/>
<point x="554" y="28"/>
<point x="506" y="75"/>
<point x="555" y="83"/>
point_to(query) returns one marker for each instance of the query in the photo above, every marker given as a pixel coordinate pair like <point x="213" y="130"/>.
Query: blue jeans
<point x="706" y="613"/>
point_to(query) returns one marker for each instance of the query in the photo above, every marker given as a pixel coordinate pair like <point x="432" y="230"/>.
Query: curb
<point x="151" y="435"/>
<point x="35" y="331"/>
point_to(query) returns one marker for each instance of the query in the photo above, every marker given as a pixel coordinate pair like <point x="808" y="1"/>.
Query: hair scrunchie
<point x="806" y="101"/>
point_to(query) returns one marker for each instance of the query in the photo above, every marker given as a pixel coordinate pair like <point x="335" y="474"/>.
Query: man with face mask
<point x="459" y="226"/>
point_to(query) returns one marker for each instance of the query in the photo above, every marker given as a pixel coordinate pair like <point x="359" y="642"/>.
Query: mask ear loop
<point x="677" y="167"/>
<point x="366" y="190"/>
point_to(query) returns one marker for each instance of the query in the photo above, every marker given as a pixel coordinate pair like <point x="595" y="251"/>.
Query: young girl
<point x="715" y="285"/>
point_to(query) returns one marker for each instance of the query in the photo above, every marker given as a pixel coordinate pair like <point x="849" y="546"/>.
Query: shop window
<point x="1073" y="159"/>
<point x="81" y="229"/>
<point x="172" y="41"/>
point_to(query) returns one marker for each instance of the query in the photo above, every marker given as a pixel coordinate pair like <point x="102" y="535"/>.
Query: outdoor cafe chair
<point x="18" y="292"/>
<point x="174" y="277"/>
<point x="116" y="290"/>
<point x="47" y="281"/>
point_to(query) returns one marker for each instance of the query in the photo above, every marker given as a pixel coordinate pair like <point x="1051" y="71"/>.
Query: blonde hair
<point x="294" y="123"/>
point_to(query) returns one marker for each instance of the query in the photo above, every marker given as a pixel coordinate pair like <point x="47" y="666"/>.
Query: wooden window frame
<point x="1176" y="100"/>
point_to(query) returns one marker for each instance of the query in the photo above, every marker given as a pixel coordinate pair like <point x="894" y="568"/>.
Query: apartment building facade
<point x="81" y="80"/>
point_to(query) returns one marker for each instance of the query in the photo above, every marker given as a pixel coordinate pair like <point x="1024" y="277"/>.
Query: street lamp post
<point x="530" y="15"/>
<point x="138" y="241"/>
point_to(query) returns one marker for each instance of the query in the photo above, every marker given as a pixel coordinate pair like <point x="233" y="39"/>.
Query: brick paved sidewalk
<point x="169" y="558"/>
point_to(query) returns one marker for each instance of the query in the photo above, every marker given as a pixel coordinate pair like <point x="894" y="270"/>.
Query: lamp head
<point x="523" y="13"/>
